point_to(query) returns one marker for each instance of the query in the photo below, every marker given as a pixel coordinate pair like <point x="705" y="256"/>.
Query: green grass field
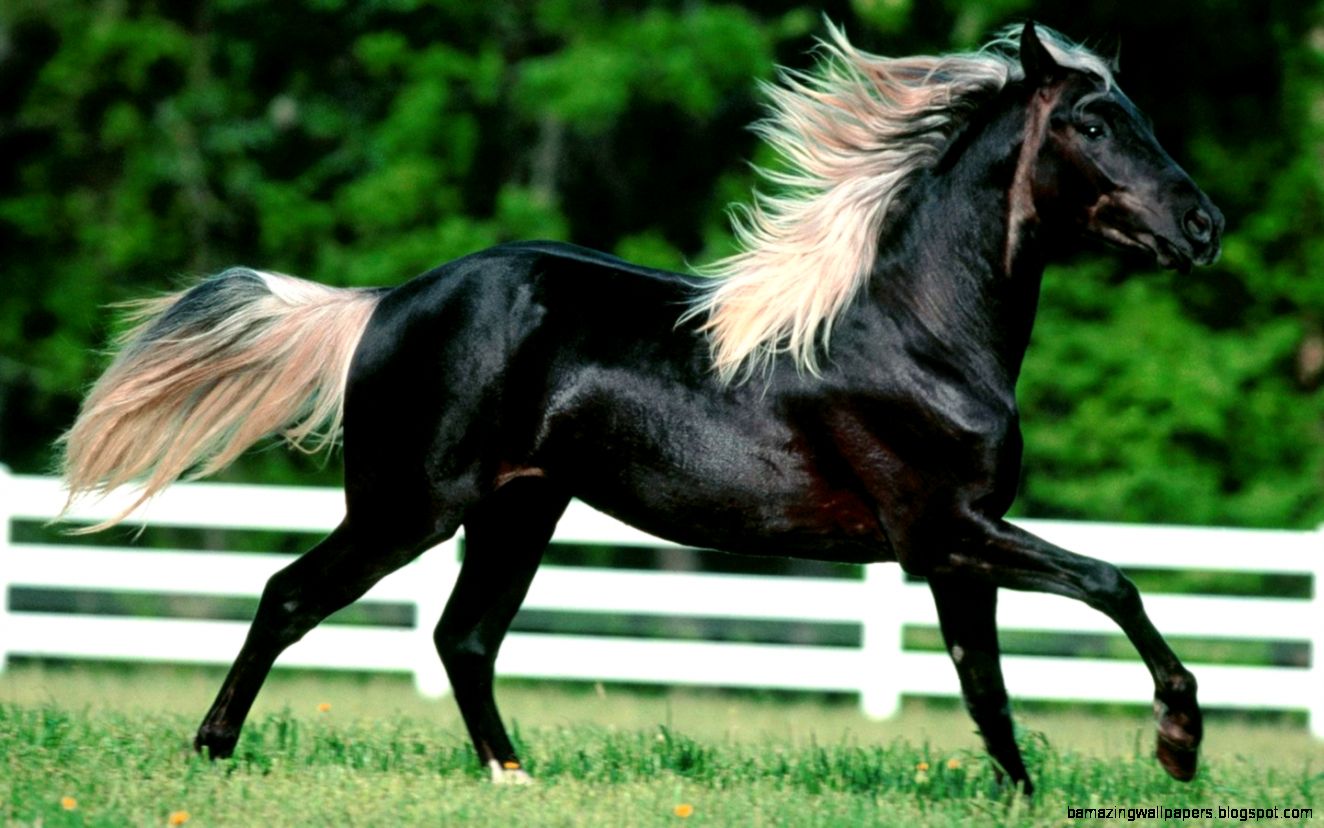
<point x="110" y="746"/>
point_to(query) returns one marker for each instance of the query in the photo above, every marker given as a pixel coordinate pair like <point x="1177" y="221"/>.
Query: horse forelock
<point x="851" y="134"/>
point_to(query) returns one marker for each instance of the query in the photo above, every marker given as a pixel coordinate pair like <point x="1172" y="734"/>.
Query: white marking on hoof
<point x="957" y="654"/>
<point x="502" y="775"/>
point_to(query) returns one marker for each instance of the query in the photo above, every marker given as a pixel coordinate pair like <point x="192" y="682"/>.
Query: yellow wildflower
<point x="922" y="773"/>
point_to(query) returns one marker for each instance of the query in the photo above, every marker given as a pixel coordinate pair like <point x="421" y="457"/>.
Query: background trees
<point x="361" y="143"/>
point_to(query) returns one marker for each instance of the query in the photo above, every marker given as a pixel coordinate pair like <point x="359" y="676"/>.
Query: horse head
<point x="1095" y="166"/>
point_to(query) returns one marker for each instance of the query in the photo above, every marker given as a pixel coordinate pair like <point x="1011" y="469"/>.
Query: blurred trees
<point x="361" y="143"/>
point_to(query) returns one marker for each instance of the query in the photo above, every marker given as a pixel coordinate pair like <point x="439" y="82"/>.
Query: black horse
<point x="921" y="200"/>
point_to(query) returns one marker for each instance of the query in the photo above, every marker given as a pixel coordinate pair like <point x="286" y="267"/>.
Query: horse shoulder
<point x="929" y="456"/>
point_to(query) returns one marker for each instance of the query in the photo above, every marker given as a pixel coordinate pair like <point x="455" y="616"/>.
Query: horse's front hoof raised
<point x="1178" y="748"/>
<point x="1180" y="762"/>
<point x="1180" y="727"/>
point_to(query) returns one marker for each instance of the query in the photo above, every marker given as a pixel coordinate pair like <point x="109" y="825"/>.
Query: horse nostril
<point x="1198" y="225"/>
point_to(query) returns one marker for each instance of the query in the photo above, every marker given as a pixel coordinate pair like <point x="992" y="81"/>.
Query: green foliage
<point x="1141" y="414"/>
<point x="361" y="143"/>
<point x="690" y="61"/>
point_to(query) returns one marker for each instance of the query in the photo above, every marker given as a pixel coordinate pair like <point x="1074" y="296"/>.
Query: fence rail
<point x="881" y="603"/>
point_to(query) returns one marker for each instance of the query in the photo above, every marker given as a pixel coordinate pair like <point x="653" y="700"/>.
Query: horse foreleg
<point x="505" y="536"/>
<point x="1008" y="556"/>
<point x="967" y="614"/>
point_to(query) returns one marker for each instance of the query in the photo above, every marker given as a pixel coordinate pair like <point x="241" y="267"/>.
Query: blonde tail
<point x="205" y="373"/>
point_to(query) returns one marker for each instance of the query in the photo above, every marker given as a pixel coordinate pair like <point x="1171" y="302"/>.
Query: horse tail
<point x="202" y="374"/>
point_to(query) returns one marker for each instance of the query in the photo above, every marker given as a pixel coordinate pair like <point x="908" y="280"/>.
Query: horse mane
<point x="852" y="133"/>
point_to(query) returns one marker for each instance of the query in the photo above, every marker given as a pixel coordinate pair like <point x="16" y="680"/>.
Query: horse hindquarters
<point x="437" y="411"/>
<point x="410" y="476"/>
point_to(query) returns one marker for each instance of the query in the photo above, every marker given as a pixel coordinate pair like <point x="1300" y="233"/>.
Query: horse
<point x="841" y="388"/>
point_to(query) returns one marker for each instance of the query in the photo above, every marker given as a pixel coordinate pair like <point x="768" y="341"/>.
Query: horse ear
<point x="1038" y="63"/>
<point x="1115" y="63"/>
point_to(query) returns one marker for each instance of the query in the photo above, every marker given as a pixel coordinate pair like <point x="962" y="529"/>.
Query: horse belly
<point x="720" y="487"/>
<point x="835" y="529"/>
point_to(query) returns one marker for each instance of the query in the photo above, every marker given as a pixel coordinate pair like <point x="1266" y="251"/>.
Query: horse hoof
<point x="1020" y="782"/>
<point x="1180" y="762"/>
<point x="504" y="774"/>
<point x="215" y="743"/>
<point x="1178" y="747"/>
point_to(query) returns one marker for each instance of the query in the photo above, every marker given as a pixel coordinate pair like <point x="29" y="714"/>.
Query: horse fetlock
<point x="1179" y="686"/>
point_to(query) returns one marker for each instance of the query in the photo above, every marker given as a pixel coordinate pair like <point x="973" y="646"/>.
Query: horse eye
<point x="1093" y="130"/>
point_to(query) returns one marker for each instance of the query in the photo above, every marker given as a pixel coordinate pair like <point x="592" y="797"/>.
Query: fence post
<point x="1315" y="714"/>
<point x="6" y="533"/>
<point x="434" y="576"/>
<point x="880" y="676"/>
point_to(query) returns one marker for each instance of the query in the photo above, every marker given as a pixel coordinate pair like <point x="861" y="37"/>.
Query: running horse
<point x="841" y="388"/>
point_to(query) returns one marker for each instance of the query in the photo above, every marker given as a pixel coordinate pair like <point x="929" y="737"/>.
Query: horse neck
<point x="944" y="275"/>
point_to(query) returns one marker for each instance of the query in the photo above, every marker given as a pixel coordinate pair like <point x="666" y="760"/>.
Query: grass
<point x="116" y="742"/>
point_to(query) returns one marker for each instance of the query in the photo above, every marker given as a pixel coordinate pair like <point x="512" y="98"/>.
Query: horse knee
<point x="1106" y="588"/>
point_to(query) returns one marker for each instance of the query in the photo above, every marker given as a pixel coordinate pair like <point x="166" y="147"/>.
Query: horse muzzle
<point x="1177" y="236"/>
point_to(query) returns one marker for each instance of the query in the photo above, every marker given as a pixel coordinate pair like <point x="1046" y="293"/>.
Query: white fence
<point x="882" y="603"/>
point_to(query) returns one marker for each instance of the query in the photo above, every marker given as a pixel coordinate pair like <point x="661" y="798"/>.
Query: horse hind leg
<point x="505" y="536"/>
<point x="326" y="578"/>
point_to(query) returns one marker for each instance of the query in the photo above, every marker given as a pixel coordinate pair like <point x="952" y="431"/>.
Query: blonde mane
<point x="852" y="133"/>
